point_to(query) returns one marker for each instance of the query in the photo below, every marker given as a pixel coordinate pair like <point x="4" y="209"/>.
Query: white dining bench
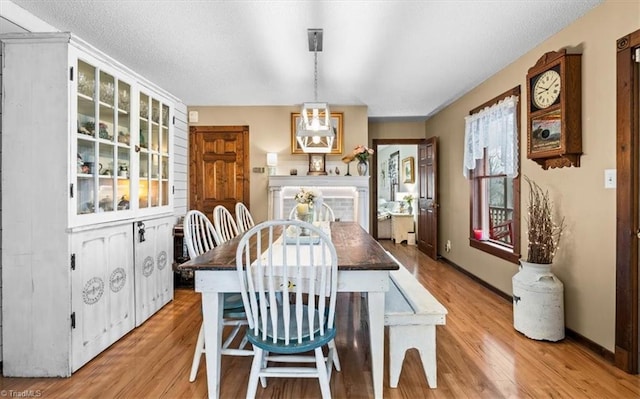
<point x="411" y="313"/>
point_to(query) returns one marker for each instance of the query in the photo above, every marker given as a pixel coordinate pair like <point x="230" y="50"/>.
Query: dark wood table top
<point x="356" y="250"/>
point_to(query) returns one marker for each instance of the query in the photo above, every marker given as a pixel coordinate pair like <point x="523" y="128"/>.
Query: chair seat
<point x="232" y="301"/>
<point x="294" y="346"/>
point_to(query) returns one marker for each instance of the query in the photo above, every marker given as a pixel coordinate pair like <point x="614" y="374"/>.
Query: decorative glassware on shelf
<point x="165" y="115"/>
<point x="155" y="114"/>
<point x="144" y="109"/>
<point x="107" y="91"/>
<point x="85" y="84"/>
<point x="123" y="99"/>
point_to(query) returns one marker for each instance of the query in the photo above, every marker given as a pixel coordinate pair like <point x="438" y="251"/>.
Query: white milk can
<point x="538" y="302"/>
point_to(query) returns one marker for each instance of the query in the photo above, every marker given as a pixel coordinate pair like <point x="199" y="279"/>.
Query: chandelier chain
<point x="315" y="67"/>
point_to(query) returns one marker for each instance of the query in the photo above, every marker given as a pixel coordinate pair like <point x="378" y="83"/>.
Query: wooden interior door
<point x="428" y="197"/>
<point x="218" y="167"/>
<point x="627" y="345"/>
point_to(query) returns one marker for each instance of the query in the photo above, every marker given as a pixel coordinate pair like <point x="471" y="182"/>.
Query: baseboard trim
<point x="580" y="339"/>
<point x="592" y="346"/>
<point x="475" y="278"/>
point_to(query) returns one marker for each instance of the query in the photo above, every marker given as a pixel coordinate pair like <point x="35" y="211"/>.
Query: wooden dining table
<point x="363" y="266"/>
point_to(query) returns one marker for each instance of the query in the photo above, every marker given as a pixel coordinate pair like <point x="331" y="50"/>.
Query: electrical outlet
<point x="447" y="246"/>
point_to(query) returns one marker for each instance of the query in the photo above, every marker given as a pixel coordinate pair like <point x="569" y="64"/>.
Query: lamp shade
<point x="315" y="132"/>
<point x="272" y="159"/>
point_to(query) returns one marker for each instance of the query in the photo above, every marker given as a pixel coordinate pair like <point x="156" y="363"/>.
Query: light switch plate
<point x="193" y="116"/>
<point x="610" y="178"/>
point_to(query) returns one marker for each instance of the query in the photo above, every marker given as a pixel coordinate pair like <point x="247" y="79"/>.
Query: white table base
<point x="214" y="283"/>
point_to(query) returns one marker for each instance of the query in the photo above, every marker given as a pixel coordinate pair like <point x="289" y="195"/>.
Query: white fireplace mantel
<point x="354" y="187"/>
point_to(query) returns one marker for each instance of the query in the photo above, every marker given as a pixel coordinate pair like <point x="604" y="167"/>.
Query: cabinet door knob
<point x="141" y="232"/>
<point x="137" y="148"/>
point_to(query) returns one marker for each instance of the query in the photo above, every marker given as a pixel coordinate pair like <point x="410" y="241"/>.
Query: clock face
<point x="546" y="90"/>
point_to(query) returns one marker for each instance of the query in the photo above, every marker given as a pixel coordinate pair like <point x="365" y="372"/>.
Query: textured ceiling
<point x="402" y="59"/>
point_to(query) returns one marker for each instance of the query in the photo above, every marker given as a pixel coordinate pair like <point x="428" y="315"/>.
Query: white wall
<point x="384" y="184"/>
<point x="180" y="164"/>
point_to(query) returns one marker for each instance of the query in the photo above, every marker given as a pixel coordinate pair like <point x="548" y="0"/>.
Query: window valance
<point x="494" y="128"/>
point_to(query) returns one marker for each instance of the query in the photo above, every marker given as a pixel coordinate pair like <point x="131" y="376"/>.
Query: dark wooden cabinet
<point x="181" y="278"/>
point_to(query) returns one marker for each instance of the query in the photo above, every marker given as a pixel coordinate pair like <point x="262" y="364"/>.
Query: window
<point x="491" y="158"/>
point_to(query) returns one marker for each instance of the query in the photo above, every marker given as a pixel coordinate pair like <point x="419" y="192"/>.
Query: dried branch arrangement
<point x="544" y="234"/>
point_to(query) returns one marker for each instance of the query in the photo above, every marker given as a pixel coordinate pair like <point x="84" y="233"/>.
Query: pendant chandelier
<point x="315" y="132"/>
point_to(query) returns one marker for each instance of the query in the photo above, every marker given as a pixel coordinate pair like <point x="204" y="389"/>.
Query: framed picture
<point x="394" y="172"/>
<point x="336" y="121"/>
<point x="317" y="164"/>
<point x="407" y="170"/>
<point x="384" y="172"/>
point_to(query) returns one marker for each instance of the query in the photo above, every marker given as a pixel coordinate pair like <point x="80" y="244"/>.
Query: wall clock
<point x="554" y="94"/>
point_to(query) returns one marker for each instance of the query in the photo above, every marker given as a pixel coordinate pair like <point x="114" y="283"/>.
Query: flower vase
<point x="410" y="209"/>
<point x="538" y="305"/>
<point x="302" y="210"/>
<point x="363" y="166"/>
<point x="305" y="214"/>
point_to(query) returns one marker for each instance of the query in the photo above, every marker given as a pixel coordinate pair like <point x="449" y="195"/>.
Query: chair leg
<point x="243" y="343"/>
<point x="263" y="380"/>
<point x="321" y="367"/>
<point x="197" y="354"/>
<point x="336" y="359"/>
<point x="256" y="365"/>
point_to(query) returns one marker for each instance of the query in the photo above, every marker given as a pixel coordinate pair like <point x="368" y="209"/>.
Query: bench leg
<point x="396" y="354"/>
<point x="421" y="337"/>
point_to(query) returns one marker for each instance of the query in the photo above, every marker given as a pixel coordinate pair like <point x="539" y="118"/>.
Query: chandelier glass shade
<point x="315" y="132"/>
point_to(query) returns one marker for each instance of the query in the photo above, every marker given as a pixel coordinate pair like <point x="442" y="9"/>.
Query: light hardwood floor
<point x="480" y="355"/>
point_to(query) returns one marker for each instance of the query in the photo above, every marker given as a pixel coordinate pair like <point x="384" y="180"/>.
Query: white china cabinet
<point x="87" y="202"/>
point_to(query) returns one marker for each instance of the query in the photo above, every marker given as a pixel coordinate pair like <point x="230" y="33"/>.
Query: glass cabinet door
<point x="103" y="141"/>
<point x="153" y="189"/>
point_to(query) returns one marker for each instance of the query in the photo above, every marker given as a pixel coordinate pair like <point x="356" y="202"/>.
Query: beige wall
<point x="270" y="131"/>
<point x="396" y="130"/>
<point x="586" y="259"/>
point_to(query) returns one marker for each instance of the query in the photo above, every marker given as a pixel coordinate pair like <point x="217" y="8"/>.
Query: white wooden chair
<point x="288" y="287"/>
<point x="224" y="223"/>
<point x="200" y="236"/>
<point x="244" y="220"/>
<point x="322" y="213"/>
